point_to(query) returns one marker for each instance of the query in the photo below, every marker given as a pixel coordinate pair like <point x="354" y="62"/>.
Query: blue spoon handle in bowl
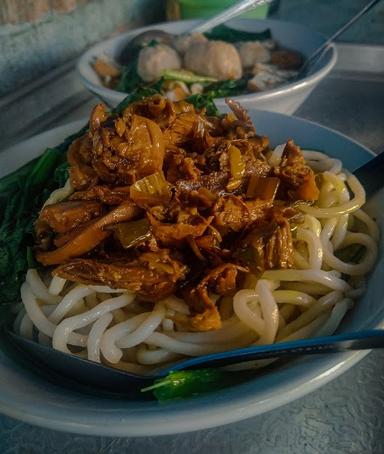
<point x="362" y="340"/>
<point x="371" y="174"/>
<point x="103" y="377"/>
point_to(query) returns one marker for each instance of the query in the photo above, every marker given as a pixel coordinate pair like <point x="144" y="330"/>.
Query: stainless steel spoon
<point x="320" y="51"/>
<point x="103" y="377"/>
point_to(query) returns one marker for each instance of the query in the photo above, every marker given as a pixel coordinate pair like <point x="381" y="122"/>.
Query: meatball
<point x="154" y="60"/>
<point x="252" y="52"/>
<point x="214" y="58"/>
<point x="182" y="42"/>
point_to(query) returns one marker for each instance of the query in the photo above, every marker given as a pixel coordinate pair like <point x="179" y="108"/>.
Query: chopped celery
<point x="133" y="233"/>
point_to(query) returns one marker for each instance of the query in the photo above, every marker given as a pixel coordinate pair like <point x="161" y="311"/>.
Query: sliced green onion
<point x="188" y="383"/>
<point x="186" y="76"/>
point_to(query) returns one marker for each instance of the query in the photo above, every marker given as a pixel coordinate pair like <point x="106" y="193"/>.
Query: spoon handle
<point x="362" y="340"/>
<point x="318" y="53"/>
<point x="371" y="174"/>
<point x="224" y="16"/>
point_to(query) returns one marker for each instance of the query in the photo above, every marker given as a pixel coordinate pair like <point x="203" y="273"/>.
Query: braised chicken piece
<point x="221" y="280"/>
<point x="89" y="237"/>
<point x="268" y="244"/>
<point x="170" y="201"/>
<point x="179" y="166"/>
<point x="234" y="214"/>
<point x="186" y="225"/>
<point x="181" y="130"/>
<point x="79" y="157"/>
<point x="64" y="216"/>
<point x="153" y="276"/>
<point x="104" y="194"/>
<point x="127" y="150"/>
<point x="296" y="178"/>
<point x="158" y="109"/>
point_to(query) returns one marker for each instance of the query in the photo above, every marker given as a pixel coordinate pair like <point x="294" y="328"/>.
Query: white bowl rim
<point x="186" y="420"/>
<point x="117" y="96"/>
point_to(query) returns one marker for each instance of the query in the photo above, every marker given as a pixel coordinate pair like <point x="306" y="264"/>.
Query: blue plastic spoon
<point x="111" y="379"/>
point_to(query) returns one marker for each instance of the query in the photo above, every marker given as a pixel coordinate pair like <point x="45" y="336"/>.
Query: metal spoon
<point x="145" y="37"/>
<point x="100" y="376"/>
<point x="320" y="51"/>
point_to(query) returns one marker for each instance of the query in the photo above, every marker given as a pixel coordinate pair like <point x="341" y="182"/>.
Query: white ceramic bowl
<point x="32" y="398"/>
<point x="284" y="99"/>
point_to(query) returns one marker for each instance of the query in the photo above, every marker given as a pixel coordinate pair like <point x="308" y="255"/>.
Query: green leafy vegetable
<point x="139" y="93"/>
<point x="203" y="101"/>
<point x="188" y="383"/>
<point x="200" y="101"/>
<point x="61" y="174"/>
<point x="129" y="79"/>
<point x="22" y="193"/>
<point x="231" y="35"/>
<point x="225" y="88"/>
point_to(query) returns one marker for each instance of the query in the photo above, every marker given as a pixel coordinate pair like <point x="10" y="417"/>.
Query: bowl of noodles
<point x="162" y="231"/>
<point x="253" y="61"/>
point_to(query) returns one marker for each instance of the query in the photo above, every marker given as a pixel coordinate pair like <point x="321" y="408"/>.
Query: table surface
<point x="344" y="416"/>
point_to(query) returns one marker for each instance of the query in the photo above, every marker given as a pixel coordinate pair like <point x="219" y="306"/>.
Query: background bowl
<point x="284" y="99"/>
<point x="47" y="401"/>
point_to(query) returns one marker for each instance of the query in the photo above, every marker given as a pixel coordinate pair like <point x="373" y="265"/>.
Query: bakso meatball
<point x="153" y="60"/>
<point x="214" y="58"/>
<point x="252" y="52"/>
<point x="182" y="42"/>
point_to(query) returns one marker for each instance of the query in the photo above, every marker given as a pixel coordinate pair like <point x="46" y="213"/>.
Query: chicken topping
<point x="168" y="200"/>
<point x="222" y="281"/>
<point x="64" y="216"/>
<point x="297" y="179"/>
<point x="152" y="275"/>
